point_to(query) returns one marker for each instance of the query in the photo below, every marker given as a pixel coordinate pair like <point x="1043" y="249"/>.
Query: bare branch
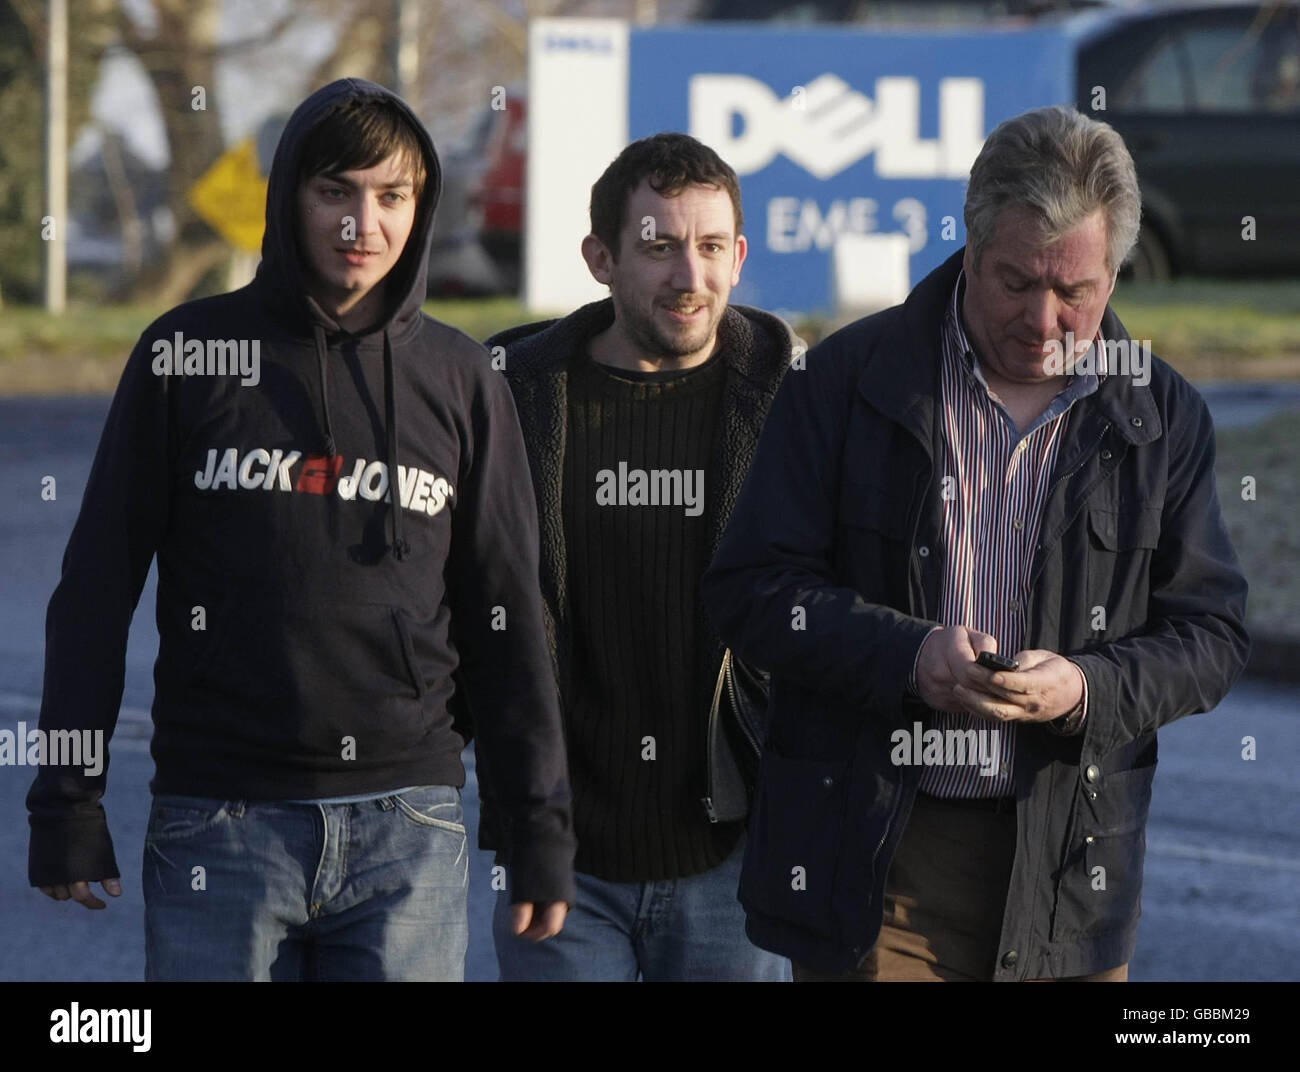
<point x="513" y="30"/>
<point x="268" y="37"/>
<point x="360" y="48"/>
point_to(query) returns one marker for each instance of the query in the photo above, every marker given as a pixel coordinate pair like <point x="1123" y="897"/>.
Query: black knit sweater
<point x="636" y="479"/>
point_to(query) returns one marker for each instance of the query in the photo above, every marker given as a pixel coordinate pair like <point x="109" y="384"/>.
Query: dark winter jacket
<point x="757" y="348"/>
<point x="841" y="516"/>
<point x="309" y="630"/>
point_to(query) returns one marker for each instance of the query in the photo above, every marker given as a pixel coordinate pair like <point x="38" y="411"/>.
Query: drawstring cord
<point x="400" y="547"/>
<point x="319" y="333"/>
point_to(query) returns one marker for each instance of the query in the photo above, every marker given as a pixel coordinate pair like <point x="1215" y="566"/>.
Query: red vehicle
<point x="477" y="238"/>
<point x="500" y="194"/>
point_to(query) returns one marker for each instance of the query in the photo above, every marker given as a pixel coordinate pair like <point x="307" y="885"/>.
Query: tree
<point x="180" y="58"/>
<point x="22" y="89"/>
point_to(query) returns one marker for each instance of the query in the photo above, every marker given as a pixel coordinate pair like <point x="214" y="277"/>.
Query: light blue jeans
<point x="677" y="930"/>
<point x="255" y="890"/>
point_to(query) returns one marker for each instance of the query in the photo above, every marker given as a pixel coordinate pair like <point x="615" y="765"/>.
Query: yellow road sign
<point x="231" y="196"/>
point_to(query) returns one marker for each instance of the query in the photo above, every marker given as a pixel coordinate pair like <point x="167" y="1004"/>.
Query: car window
<point x="1224" y="62"/>
<point x="1157" y="85"/>
<point x="1276" y="85"/>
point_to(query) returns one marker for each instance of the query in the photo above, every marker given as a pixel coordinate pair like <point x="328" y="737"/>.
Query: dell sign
<point x="833" y="133"/>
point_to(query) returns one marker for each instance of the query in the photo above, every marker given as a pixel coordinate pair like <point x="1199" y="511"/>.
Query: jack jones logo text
<point x="320" y="474"/>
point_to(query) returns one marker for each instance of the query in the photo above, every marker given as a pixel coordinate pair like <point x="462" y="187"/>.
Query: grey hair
<point x="1062" y="166"/>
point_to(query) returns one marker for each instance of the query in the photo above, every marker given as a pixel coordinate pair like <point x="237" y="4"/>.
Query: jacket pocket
<point x="1125" y="529"/>
<point x="1119" y="550"/>
<point x="794" y="840"/>
<point x="1100" y="882"/>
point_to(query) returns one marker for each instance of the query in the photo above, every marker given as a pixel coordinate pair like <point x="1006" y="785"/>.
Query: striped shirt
<point x="994" y="484"/>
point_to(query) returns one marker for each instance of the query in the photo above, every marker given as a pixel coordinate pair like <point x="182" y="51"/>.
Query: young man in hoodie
<point x="333" y="497"/>
<point x="641" y="413"/>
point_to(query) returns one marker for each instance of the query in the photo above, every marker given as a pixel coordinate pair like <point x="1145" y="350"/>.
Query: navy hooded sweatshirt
<point x="309" y="629"/>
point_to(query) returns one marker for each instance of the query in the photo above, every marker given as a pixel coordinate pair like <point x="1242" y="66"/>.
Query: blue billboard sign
<point x="835" y="131"/>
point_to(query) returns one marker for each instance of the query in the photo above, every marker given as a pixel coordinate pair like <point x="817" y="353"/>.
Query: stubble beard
<point x="653" y="339"/>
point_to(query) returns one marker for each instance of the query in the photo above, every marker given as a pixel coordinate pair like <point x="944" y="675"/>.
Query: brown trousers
<point x="944" y="899"/>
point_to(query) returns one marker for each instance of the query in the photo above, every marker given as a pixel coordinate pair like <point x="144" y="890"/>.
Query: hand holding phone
<point x="991" y="660"/>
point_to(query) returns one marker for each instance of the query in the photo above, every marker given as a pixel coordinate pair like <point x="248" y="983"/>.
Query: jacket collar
<point x="1129" y="408"/>
<point x="907" y="394"/>
<point x="545" y="347"/>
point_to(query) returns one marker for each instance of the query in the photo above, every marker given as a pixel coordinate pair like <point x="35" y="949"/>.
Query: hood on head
<point x="281" y="271"/>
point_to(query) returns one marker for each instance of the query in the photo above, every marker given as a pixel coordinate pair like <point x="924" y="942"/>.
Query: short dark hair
<point x="359" y="133"/>
<point x="671" y="162"/>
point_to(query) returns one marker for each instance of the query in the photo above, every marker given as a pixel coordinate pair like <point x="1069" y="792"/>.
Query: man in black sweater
<point x="641" y="413"/>
<point x="324" y="569"/>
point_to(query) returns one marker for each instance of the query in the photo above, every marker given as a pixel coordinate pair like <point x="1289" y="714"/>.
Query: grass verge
<point x="1208" y="329"/>
<point x="83" y="351"/>
<point x="1264" y="529"/>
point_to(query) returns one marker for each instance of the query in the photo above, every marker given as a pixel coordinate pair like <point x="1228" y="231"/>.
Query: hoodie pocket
<point x="408" y="652"/>
<point x="325" y="652"/>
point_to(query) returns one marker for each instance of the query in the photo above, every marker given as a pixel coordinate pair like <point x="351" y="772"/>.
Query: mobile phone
<point x="992" y="661"/>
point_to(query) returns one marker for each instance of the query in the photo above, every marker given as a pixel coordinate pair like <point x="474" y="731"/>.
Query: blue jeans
<point x="677" y="930"/>
<point x="264" y="890"/>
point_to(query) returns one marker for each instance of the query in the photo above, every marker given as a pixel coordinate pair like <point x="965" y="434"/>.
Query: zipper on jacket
<point x="893" y="814"/>
<point x="915" y="510"/>
<point x="730" y="675"/>
<point x="1083" y="460"/>
<point x="707" y="800"/>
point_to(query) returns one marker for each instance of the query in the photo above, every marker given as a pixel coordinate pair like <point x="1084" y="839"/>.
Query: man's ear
<point x="742" y="251"/>
<point x="599" y="259"/>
